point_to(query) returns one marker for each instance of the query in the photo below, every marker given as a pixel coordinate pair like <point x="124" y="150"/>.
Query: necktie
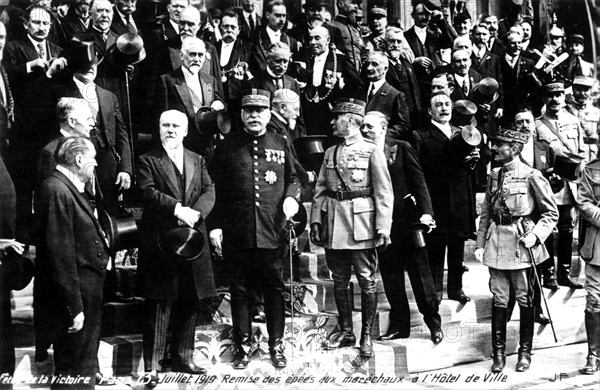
<point x="371" y="92"/>
<point x="130" y="25"/>
<point x="465" y="87"/>
<point x="41" y="51"/>
<point x="251" y="23"/>
<point x="279" y="83"/>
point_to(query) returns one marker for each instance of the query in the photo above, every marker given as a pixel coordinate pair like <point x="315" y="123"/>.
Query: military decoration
<point x="358" y="175"/>
<point x="277" y="156"/>
<point x="270" y="177"/>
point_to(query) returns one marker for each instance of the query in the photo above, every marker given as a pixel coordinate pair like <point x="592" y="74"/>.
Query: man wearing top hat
<point x="188" y="89"/>
<point x="257" y="191"/>
<point x="589" y="116"/>
<point x="351" y="216"/>
<point x="509" y="234"/>
<point x="563" y="131"/>
<point x="110" y="137"/>
<point x="178" y="194"/>
<point x="448" y="177"/>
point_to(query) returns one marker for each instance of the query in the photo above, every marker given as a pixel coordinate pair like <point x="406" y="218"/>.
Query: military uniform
<point x="514" y="192"/>
<point x="589" y="201"/>
<point x="353" y="41"/>
<point x="353" y="204"/>
<point x="589" y="118"/>
<point x="253" y="174"/>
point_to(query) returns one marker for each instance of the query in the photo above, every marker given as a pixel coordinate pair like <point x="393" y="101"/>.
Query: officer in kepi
<point x="350" y="217"/>
<point x="509" y="235"/>
<point x="257" y="190"/>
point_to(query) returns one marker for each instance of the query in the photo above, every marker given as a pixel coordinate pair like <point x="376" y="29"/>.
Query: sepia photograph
<point x="299" y="194"/>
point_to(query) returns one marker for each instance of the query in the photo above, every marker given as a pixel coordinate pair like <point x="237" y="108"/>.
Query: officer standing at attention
<point x="507" y="235"/>
<point x="350" y="217"/>
<point x="257" y="190"/>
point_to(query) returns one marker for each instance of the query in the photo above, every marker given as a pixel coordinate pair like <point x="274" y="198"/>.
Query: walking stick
<point x="130" y="133"/>
<point x="521" y="230"/>
<point x="292" y="236"/>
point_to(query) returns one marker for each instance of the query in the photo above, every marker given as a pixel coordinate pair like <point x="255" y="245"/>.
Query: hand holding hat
<point x="290" y="207"/>
<point x="186" y="215"/>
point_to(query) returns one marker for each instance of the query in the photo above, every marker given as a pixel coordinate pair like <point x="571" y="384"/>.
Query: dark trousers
<point x="264" y="268"/>
<point x="456" y="253"/>
<point x="181" y="314"/>
<point x="396" y="259"/>
<point x="7" y="347"/>
<point x="342" y="261"/>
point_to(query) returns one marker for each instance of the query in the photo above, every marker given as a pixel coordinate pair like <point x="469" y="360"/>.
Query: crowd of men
<point x="82" y="81"/>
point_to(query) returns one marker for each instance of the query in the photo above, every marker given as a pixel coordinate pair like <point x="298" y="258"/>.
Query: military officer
<point x="589" y="116"/>
<point x="508" y="233"/>
<point x="257" y="190"/>
<point x="562" y="131"/>
<point x="588" y="202"/>
<point x="351" y="216"/>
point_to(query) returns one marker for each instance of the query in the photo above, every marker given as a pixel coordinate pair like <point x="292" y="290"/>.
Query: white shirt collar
<point x="512" y="60"/>
<point x="421" y="33"/>
<point x="226" y="50"/>
<point x="274" y="36"/>
<point x="277" y="115"/>
<point x="480" y="53"/>
<point x="36" y="43"/>
<point x="65" y="133"/>
<point x="176" y="155"/>
<point x="322" y="57"/>
<point x="175" y="26"/>
<point x="187" y="73"/>
<point x="80" y="185"/>
<point x="377" y="84"/>
<point x="248" y="14"/>
<point x="446" y="129"/>
<point x="270" y="72"/>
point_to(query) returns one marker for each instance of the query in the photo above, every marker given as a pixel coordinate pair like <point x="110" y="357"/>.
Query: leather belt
<point x="503" y="220"/>
<point x="345" y="195"/>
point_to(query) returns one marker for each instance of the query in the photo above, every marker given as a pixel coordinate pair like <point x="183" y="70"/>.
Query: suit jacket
<point x="407" y="179"/>
<point x="6" y="110"/>
<point x="72" y="24"/>
<point x="119" y="26"/>
<point x="174" y="94"/>
<point x="516" y="89"/>
<point x="391" y="102"/>
<point x="115" y="156"/>
<point x="158" y="271"/>
<point x="100" y="44"/>
<point x="401" y="75"/>
<point x="448" y="181"/>
<point x="300" y="32"/>
<point x="458" y="93"/>
<point x="431" y="50"/>
<point x="246" y="34"/>
<point x="260" y="45"/>
<point x="489" y="66"/>
<point x="277" y="126"/>
<point x="253" y="175"/>
<point x="232" y="86"/>
<point x="72" y="254"/>
<point x="32" y="95"/>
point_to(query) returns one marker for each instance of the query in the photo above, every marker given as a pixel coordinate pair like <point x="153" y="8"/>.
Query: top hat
<point x="464" y="141"/>
<point x="121" y="231"/>
<point x="128" y="50"/>
<point x="485" y="92"/>
<point x="183" y="243"/>
<point x="81" y="54"/>
<point x="311" y="151"/>
<point x="298" y="222"/>
<point x="463" y="113"/>
<point x="256" y="98"/>
<point x="16" y="271"/>
<point x="315" y="4"/>
<point x="568" y="166"/>
<point x="349" y="106"/>
<point x="213" y="122"/>
<point x="505" y="134"/>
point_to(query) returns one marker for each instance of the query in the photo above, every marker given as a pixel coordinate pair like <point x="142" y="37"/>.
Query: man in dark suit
<point x="257" y="191"/>
<point x="465" y="78"/>
<point x="401" y="74"/>
<point x="381" y="96"/>
<point x="6" y="100"/>
<point x="168" y="25"/>
<point x="71" y="264"/>
<point x="76" y="120"/>
<point x="250" y="21"/>
<point x="487" y="63"/>
<point x="110" y="138"/>
<point x="449" y="183"/>
<point x="426" y="46"/>
<point x="189" y="90"/>
<point x="77" y="20"/>
<point x="514" y="68"/>
<point x="102" y="15"/>
<point x="177" y="191"/>
<point x="124" y="20"/>
<point x="411" y="205"/>
<point x="314" y="17"/>
<point x="328" y="74"/>
<point x="271" y="32"/>
<point x="30" y="63"/>
<point x="234" y="57"/>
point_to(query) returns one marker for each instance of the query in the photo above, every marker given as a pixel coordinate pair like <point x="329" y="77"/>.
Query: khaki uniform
<point x="589" y="118"/>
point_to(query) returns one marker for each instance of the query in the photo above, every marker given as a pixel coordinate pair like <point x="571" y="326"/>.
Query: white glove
<point x="290" y="207"/>
<point x="186" y="215"/>
<point x="77" y="323"/>
<point x="528" y="240"/>
<point x="479" y="254"/>
<point x="428" y="220"/>
<point x="217" y="105"/>
<point x="216" y="239"/>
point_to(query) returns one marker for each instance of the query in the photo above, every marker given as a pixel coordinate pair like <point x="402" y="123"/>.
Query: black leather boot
<point x="526" y="339"/>
<point x="592" y="328"/>
<point x="498" y="338"/>
<point x="565" y="247"/>
<point x="540" y="318"/>
<point x="277" y="357"/>
<point x="547" y="271"/>
<point x="344" y="337"/>
<point x="369" y="310"/>
<point x="241" y="352"/>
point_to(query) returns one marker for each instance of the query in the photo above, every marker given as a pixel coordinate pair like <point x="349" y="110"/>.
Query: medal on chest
<point x="357" y="175"/>
<point x="270" y="177"/>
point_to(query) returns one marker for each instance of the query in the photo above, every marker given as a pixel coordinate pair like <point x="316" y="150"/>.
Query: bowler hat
<point x="121" y="231"/>
<point x="256" y="98"/>
<point x="127" y="50"/>
<point x="485" y="92"/>
<point x="315" y="4"/>
<point x="81" y="54"/>
<point x="183" y="243"/>
<point x="463" y="113"/>
<point x="213" y="121"/>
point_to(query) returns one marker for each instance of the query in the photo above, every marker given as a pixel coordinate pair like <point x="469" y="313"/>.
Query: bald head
<point x="189" y="22"/>
<point x="319" y="40"/>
